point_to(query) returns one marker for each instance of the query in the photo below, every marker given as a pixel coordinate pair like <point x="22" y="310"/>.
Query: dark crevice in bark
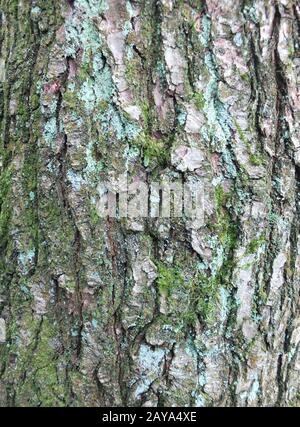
<point x="279" y="380"/>
<point x="256" y="89"/>
<point x="275" y="166"/>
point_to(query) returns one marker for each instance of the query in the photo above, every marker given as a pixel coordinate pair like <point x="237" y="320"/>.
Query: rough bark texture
<point x="149" y="311"/>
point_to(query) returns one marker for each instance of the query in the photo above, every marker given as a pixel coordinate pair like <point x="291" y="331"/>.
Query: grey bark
<point x="149" y="312"/>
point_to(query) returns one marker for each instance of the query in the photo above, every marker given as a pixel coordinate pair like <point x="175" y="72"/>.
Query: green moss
<point x="225" y="226"/>
<point x="199" y="100"/>
<point x="103" y="105"/>
<point x="34" y="101"/>
<point x="295" y="402"/>
<point x="254" y="158"/>
<point x="5" y="206"/>
<point x="207" y="300"/>
<point x="84" y="71"/>
<point x="153" y="150"/>
<point x="70" y="99"/>
<point x="94" y="214"/>
<point x="147" y="116"/>
<point x="259" y="300"/>
<point x="220" y="198"/>
<point x="133" y="72"/>
<point x="255" y="244"/>
<point x="22" y="110"/>
<point x="241" y="133"/>
<point x="43" y="384"/>
<point x="188" y="297"/>
<point x="29" y="183"/>
<point x="245" y="77"/>
<point x="168" y="279"/>
<point x="226" y="229"/>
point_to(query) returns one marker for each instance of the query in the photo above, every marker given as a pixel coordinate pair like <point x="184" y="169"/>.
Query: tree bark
<point x="149" y="311"/>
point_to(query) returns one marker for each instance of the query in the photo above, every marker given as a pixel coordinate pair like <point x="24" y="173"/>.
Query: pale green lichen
<point x="24" y="258"/>
<point x="98" y="85"/>
<point x="181" y="117"/>
<point x="206" y="28"/>
<point x="50" y="130"/>
<point x="150" y="361"/>
<point x="93" y="167"/>
<point x="76" y="180"/>
<point x="111" y="121"/>
<point x="83" y="32"/>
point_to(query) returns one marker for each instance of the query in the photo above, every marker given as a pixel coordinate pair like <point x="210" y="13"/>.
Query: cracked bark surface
<point x="149" y="312"/>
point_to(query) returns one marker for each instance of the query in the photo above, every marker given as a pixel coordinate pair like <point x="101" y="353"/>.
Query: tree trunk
<point x="149" y="311"/>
